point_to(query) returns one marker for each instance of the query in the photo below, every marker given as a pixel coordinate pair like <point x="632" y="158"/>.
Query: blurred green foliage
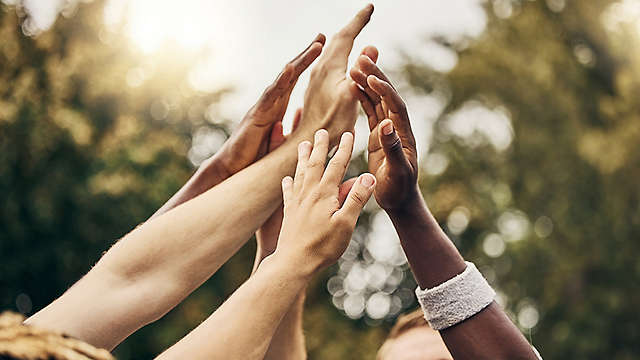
<point x="567" y="74"/>
<point x="84" y="158"/>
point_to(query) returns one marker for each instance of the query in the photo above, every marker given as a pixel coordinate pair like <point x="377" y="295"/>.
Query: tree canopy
<point x="530" y="169"/>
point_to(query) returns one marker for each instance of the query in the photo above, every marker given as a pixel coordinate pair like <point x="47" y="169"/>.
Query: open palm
<point x="392" y="152"/>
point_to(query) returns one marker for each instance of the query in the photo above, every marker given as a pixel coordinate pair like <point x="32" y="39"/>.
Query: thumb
<point x="358" y="196"/>
<point x="391" y="143"/>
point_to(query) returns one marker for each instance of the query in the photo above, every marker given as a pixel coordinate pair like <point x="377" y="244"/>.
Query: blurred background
<point x="526" y="113"/>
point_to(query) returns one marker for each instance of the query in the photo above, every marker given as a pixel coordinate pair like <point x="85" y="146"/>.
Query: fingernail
<point x="303" y="146"/>
<point x="367" y="180"/>
<point x="345" y="136"/>
<point x="387" y="129"/>
<point x="319" y="134"/>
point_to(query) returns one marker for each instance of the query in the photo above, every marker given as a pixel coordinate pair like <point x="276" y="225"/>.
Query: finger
<point x="296" y="119"/>
<point x="367" y="105"/>
<point x="337" y="166"/>
<point x="304" y="151"/>
<point x="277" y="137"/>
<point x="279" y="86"/>
<point x="300" y="64"/>
<point x="342" y="43"/>
<point x="358" y="196"/>
<point x="361" y="79"/>
<point x="370" y="51"/>
<point x="320" y="38"/>
<point x="287" y="189"/>
<point x="369" y="67"/>
<point x="388" y="94"/>
<point x="396" y="107"/>
<point x="391" y="144"/>
<point x="318" y="157"/>
<point x="344" y="189"/>
<point x="286" y="80"/>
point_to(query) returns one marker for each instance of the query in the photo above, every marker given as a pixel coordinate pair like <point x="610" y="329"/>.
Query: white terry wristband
<point x="456" y="299"/>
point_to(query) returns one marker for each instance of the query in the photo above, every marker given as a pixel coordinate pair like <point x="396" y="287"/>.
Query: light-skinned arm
<point x="316" y="230"/>
<point x="433" y="258"/>
<point x="288" y="340"/>
<point x="150" y="270"/>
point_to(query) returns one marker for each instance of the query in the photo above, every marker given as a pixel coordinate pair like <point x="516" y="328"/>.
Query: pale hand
<point x="317" y="224"/>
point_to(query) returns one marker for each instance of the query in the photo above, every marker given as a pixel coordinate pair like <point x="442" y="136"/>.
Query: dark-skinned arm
<point x="433" y="258"/>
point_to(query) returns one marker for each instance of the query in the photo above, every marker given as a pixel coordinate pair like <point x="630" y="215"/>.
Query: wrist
<point x="295" y="267"/>
<point x="212" y="171"/>
<point x="413" y="205"/>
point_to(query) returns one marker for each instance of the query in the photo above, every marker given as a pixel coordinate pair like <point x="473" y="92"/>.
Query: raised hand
<point x="392" y="146"/>
<point x="250" y="141"/>
<point x="328" y="102"/>
<point x="317" y="223"/>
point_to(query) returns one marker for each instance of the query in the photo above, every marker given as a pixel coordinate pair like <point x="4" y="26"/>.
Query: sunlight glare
<point x="151" y="24"/>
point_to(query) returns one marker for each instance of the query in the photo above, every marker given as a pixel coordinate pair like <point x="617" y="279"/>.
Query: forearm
<point x="208" y="175"/>
<point x="158" y="264"/>
<point x="288" y="340"/>
<point x="434" y="259"/>
<point x="432" y="256"/>
<point x="243" y="326"/>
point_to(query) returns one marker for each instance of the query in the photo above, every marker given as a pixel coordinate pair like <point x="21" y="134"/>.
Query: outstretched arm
<point x="250" y="141"/>
<point x="288" y="340"/>
<point x="157" y="265"/>
<point x="432" y="256"/>
<point x="316" y="230"/>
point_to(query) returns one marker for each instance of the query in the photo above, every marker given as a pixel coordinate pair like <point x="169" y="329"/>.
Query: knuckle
<point x="337" y="164"/>
<point x="358" y="197"/>
<point x="315" y="163"/>
<point x="334" y="203"/>
<point x="316" y="195"/>
<point x="396" y="145"/>
<point x="270" y="89"/>
<point x="402" y="106"/>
